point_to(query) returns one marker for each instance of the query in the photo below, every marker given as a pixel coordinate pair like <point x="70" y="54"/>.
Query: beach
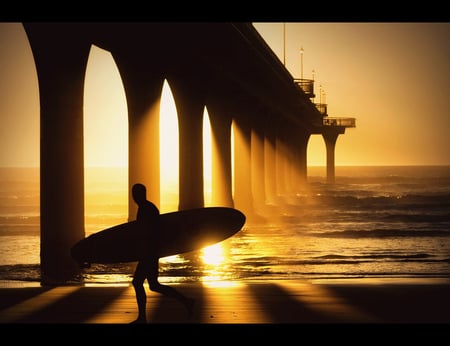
<point x="371" y="249"/>
<point x="329" y="301"/>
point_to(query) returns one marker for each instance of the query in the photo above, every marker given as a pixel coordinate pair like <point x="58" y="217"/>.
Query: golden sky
<point x="394" y="78"/>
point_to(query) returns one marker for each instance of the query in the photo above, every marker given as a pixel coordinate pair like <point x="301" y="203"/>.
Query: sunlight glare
<point x="221" y="284"/>
<point x="173" y="259"/>
<point x="232" y="157"/>
<point x="213" y="254"/>
<point x="207" y="159"/>
<point x="169" y="151"/>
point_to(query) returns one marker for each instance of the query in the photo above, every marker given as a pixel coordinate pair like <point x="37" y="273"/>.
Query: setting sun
<point x="213" y="255"/>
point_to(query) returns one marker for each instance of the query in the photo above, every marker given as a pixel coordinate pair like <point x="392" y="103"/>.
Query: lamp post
<point x="313" y="72"/>
<point x="320" y="95"/>
<point x="284" y="44"/>
<point x="301" y="63"/>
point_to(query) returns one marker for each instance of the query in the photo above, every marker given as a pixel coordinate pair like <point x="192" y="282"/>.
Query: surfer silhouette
<point x="147" y="219"/>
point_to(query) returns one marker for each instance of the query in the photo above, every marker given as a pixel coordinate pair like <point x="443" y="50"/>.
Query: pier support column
<point x="61" y="59"/>
<point x="282" y="163"/>
<point x="270" y="171"/>
<point x="292" y="149"/>
<point x="221" y="156"/>
<point x="243" y="198"/>
<point x="330" y="136"/>
<point x="257" y="169"/>
<point x="144" y="144"/>
<point x="190" y="110"/>
<point x="300" y="142"/>
<point x="143" y="88"/>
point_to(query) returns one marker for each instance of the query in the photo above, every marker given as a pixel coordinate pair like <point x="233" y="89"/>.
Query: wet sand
<point x="345" y="301"/>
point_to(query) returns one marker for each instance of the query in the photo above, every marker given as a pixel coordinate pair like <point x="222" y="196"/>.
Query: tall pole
<point x="284" y="44"/>
<point x="301" y="63"/>
<point x="313" y="72"/>
<point x="320" y="95"/>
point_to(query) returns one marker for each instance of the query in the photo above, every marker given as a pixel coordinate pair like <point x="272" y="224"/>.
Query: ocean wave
<point x="370" y="199"/>
<point x="375" y="256"/>
<point x="20" y="230"/>
<point x="20" y="220"/>
<point x="395" y="216"/>
<point x="20" y="272"/>
<point x="382" y="233"/>
<point x="401" y="214"/>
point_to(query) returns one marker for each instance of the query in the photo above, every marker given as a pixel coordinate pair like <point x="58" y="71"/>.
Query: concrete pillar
<point x="330" y="136"/>
<point x="299" y="142"/>
<point x="281" y="151"/>
<point x="303" y="157"/>
<point x="243" y="198"/>
<point x="143" y="82"/>
<point x="257" y="169"/>
<point x="221" y="156"/>
<point x="190" y="109"/>
<point x="61" y="57"/>
<point x="270" y="172"/>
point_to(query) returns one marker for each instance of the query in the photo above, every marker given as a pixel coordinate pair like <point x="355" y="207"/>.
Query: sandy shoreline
<point x="348" y="301"/>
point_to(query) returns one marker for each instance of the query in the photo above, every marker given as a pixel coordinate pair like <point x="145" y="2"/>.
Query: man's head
<point x="139" y="192"/>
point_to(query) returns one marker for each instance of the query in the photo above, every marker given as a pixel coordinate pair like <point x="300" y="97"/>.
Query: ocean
<point x="381" y="221"/>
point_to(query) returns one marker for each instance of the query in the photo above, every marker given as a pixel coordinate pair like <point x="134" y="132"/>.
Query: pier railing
<point x="343" y="122"/>
<point x="307" y="85"/>
<point x="322" y="108"/>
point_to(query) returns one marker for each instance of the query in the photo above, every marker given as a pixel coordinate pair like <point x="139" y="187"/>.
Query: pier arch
<point x="234" y="75"/>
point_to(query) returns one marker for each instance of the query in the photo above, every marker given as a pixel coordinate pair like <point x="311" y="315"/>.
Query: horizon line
<point x="309" y="166"/>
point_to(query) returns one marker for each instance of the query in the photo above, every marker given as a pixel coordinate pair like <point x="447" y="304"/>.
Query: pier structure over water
<point x="330" y="128"/>
<point x="226" y="67"/>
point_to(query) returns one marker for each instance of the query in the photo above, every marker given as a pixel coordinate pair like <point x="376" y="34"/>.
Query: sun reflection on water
<point x="216" y="263"/>
<point x="213" y="255"/>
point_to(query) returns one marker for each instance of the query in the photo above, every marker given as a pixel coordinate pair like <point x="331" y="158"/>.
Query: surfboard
<point x="180" y="232"/>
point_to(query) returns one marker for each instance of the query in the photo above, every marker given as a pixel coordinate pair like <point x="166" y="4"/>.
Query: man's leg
<point x="166" y="290"/>
<point x="141" y="297"/>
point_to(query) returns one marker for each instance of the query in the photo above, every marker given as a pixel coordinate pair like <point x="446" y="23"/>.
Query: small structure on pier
<point x="330" y="128"/>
